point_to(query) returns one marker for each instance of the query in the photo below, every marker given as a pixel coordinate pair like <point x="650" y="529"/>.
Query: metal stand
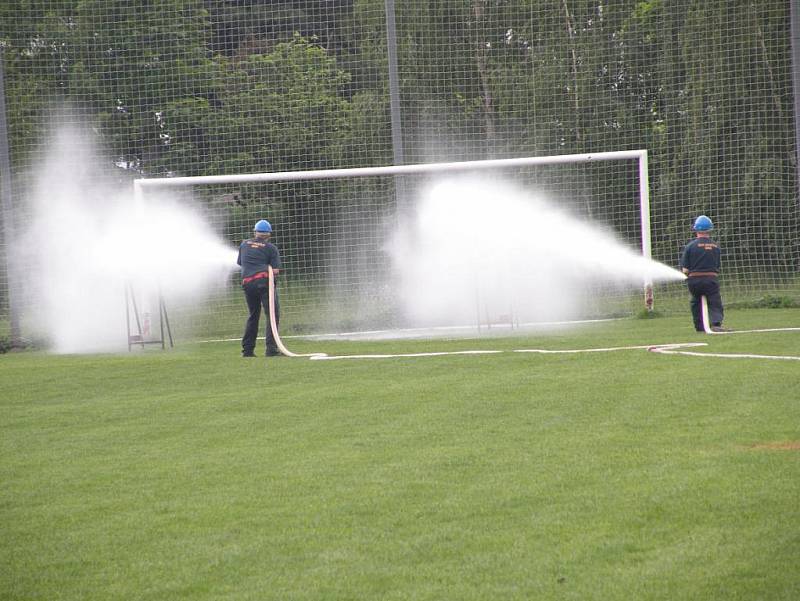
<point x="137" y="336"/>
<point x="509" y="319"/>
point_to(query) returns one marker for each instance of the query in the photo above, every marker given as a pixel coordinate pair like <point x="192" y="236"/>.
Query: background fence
<point x="204" y="87"/>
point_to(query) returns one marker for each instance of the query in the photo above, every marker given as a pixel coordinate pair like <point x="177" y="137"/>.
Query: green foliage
<point x="196" y="87"/>
<point x="285" y="102"/>
<point x="8" y="345"/>
<point x="724" y="114"/>
<point x="768" y="302"/>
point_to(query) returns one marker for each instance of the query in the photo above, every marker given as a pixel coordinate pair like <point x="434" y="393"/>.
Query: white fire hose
<point x="274" y="325"/>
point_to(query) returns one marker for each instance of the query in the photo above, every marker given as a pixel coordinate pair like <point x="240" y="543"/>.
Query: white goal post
<point x="308" y="233"/>
<point x="432" y="168"/>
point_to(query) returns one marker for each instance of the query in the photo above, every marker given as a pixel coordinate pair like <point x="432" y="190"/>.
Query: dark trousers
<point x="708" y="287"/>
<point x="256" y="293"/>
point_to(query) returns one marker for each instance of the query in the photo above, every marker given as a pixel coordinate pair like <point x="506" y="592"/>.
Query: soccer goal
<point x="352" y="240"/>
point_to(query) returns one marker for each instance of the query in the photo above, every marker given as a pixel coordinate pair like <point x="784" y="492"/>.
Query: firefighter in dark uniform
<point x="255" y="255"/>
<point x="700" y="261"/>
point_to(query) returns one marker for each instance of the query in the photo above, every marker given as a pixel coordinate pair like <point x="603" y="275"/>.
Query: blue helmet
<point x="263" y="227"/>
<point x="703" y="224"/>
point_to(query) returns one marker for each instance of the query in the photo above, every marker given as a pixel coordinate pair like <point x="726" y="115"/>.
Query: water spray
<point x="506" y="247"/>
<point x="93" y="238"/>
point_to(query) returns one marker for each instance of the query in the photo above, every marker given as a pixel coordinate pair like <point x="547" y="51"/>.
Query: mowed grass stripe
<point x="198" y="475"/>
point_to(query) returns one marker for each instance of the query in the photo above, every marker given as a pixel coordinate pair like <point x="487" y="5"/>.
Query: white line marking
<point x="662" y="349"/>
<point x="402" y="355"/>
<point x="669" y="349"/>
<point x="593" y="350"/>
<point x="406" y="333"/>
<point x="424" y="331"/>
<point x="490" y="352"/>
<point x="333" y="336"/>
<point x="709" y="330"/>
<point x="763" y="330"/>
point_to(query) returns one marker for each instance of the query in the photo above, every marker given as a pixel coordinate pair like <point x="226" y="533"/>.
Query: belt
<point x="259" y="276"/>
<point x="703" y="274"/>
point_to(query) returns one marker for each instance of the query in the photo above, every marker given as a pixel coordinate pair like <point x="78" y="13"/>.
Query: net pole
<point x="394" y="84"/>
<point x="644" y="216"/>
<point x="8" y="217"/>
<point x="795" y="35"/>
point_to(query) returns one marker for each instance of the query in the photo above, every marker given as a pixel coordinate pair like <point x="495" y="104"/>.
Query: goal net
<point x="470" y="245"/>
<point x="208" y="87"/>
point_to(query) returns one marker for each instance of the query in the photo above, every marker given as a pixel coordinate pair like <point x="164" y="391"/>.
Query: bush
<point x="7" y="345"/>
<point x="768" y="301"/>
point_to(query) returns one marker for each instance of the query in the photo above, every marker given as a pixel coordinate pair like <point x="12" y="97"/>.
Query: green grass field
<point x="196" y="474"/>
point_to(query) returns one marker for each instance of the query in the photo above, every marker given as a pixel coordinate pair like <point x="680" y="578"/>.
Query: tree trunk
<point x="776" y="101"/>
<point x="575" y="97"/>
<point x="487" y="100"/>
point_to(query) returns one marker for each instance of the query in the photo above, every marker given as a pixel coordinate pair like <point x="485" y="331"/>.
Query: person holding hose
<point x="700" y="261"/>
<point x="255" y="256"/>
